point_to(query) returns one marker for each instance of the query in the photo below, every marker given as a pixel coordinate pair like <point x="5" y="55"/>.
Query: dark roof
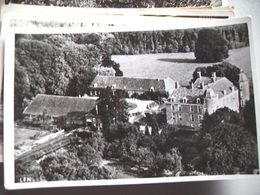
<point x="59" y="105"/>
<point x="125" y="83"/>
<point x="203" y="79"/>
<point x="219" y="87"/>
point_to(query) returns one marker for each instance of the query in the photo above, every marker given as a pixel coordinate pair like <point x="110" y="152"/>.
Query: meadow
<point x="178" y="66"/>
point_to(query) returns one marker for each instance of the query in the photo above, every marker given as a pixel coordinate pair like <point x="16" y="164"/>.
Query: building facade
<point x="187" y="104"/>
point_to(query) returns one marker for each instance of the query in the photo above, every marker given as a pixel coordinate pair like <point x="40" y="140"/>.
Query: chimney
<point x="192" y="85"/>
<point x="202" y="85"/>
<point x="214" y="77"/>
<point x="177" y="85"/>
<point x="198" y="74"/>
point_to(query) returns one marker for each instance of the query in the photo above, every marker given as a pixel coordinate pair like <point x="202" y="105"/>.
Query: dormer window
<point x="113" y="86"/>
<point x="152" y="89"/>
<point x="198" y="101"/>
<point x="172" y="99"/>
<point x="184" y="100"/>
<point x="95" y="85"/>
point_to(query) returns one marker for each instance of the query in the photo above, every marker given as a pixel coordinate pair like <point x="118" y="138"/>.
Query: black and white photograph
<point x="132" y="105"/>
<point x="122" y="3"/>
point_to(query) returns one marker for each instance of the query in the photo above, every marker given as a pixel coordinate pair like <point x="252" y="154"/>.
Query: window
<point x="180" y="117"/>
<point x="172" y="107"/>
<point x="184" y="100"/>
<point x="113" y="86"/>
<point x="199" y="109"/>
<point x="179" y="108"/>
<point x="191" y="109"/>
<point x="198" y="101"/>
<point x="172" y="99"/>
<point x="173" y="117"/>
<point x="200" y="117"/>
<point x="152" y="89"/>
<point x="95" y="85"/>
<point x="192" y="118"/>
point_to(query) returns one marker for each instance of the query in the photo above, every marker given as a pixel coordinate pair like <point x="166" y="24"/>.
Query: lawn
<point x="178" y="66"/>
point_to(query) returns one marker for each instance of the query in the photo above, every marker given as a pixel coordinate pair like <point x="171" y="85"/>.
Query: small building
<point x="131" y="85"/>
<point x="49" y="108"/>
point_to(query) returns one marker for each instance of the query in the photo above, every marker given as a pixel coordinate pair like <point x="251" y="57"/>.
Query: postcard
<point x="149" y="104"/>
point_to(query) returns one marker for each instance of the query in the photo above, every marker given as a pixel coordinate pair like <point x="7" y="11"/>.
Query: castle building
<point x="187" y="104"/>
<point x="131" y="85"/>
<point x="244" y="93"/>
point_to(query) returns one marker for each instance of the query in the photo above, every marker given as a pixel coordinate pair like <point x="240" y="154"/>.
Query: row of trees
<point x="235" y="36"/>
<point x="117" y="3"/>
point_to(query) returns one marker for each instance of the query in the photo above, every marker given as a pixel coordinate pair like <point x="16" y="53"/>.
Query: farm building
<point x="50" y="108"/>
<point x="187" y="104"/>
<point x="131" y="85"/>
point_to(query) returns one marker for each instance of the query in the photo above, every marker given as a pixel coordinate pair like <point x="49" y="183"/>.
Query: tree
<point x="21" y="90"/>
<point x="249" y="116"/>
<point x="225" y="145"/>
<point x="112" y="108"/>
<point x="210" y="46"/>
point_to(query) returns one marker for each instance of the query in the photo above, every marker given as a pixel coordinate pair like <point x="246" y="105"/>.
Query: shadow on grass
<point x="177" y="60"/>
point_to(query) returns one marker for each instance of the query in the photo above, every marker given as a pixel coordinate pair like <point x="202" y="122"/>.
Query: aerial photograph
<point x="127" y="105"/>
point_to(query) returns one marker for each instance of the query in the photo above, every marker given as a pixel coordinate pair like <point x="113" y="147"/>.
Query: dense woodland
<point x="117" y="3"/>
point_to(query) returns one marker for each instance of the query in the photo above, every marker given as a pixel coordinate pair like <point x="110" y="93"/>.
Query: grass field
<point x="178" y="66"/>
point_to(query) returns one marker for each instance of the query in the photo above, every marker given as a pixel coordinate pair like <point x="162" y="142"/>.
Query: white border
<point x="152" y="25"/>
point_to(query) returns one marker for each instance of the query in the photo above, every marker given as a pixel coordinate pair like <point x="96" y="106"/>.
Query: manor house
<point x="187" y="104"/>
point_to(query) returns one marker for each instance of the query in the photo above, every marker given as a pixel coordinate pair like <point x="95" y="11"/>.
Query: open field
<point x="178" y="66"/>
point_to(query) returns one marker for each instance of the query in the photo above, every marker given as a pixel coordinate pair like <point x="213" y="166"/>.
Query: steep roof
<point x="56" y="106"/>
<point x="135" y="84"/>
<point x="203" y="79"/>
<point x="242" y="77"/>
<point x="220" y="87"/>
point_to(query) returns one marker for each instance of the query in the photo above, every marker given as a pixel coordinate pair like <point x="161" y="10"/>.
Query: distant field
<point x="178" y="66"/>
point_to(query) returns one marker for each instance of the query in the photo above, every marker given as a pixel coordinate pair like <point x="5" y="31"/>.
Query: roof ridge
<point x="160" y="79"/>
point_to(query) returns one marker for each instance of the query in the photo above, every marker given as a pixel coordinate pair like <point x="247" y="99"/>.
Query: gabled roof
<point x="56" y="106"/>
<point x="242" y="77"/>
<point x="131" y="84"/>
<point x="220" y="87"/>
